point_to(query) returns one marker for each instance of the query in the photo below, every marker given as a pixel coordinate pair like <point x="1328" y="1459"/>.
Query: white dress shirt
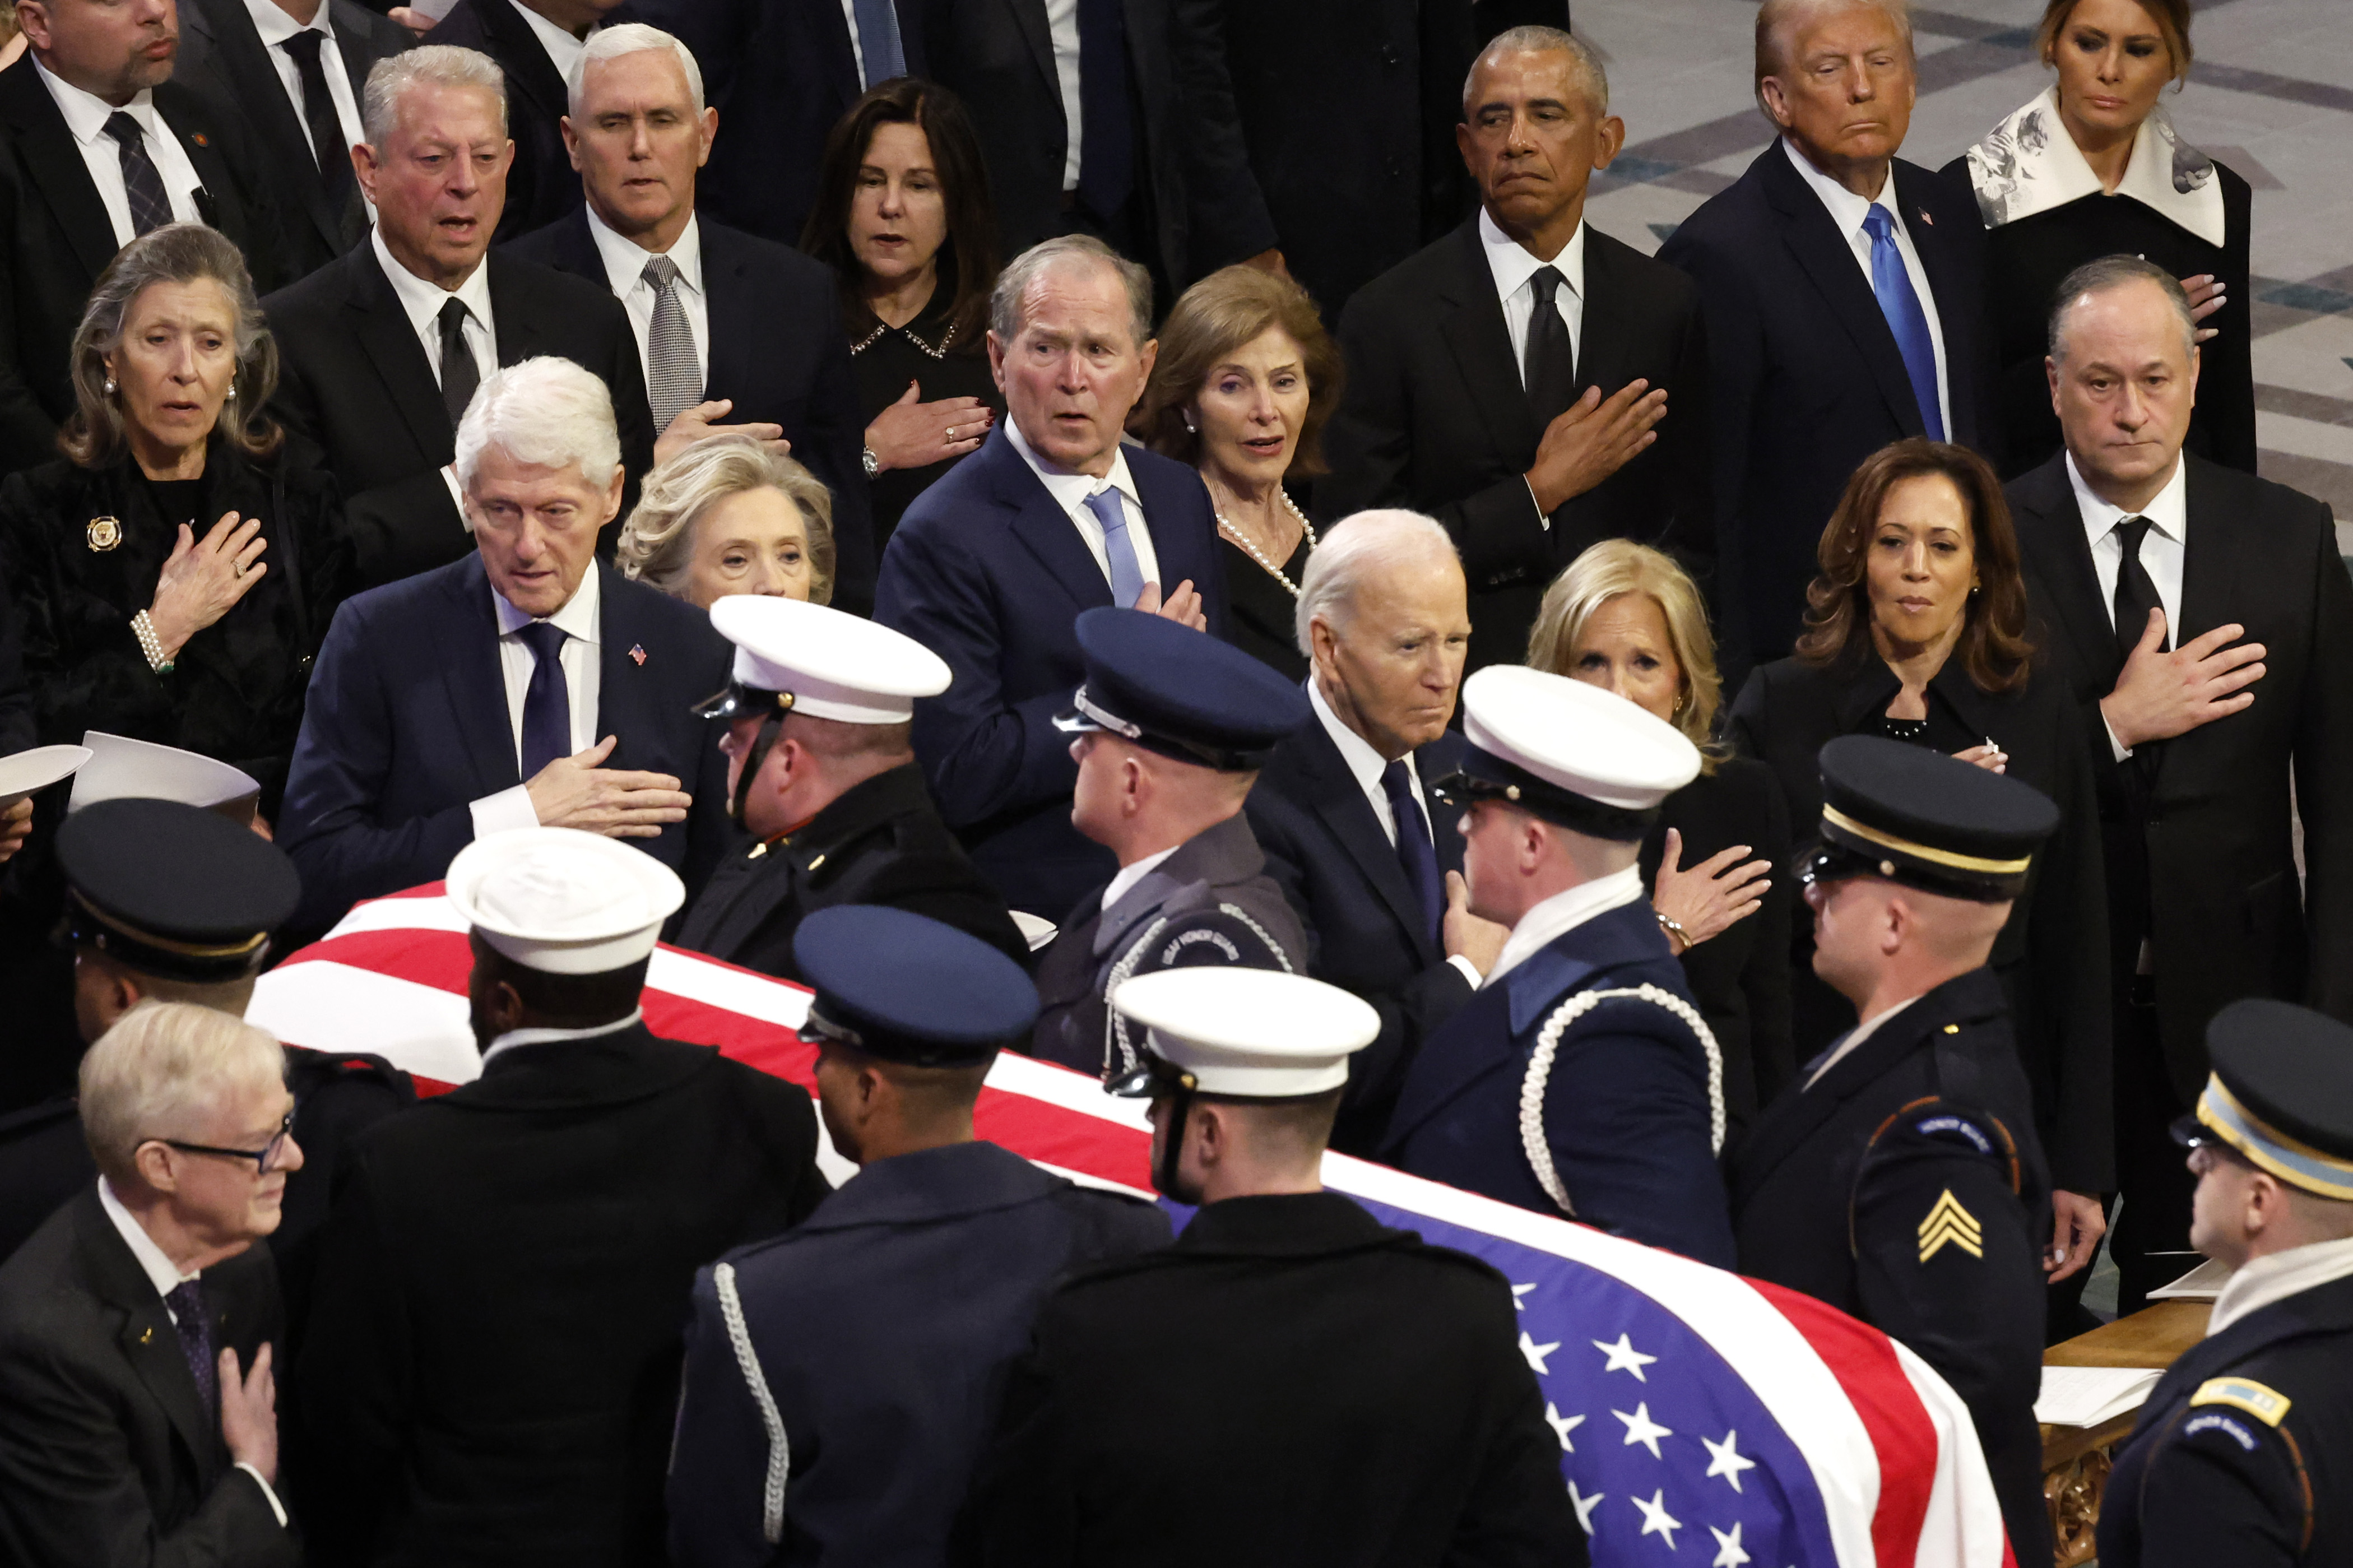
<point x="561" y="47"/>
<point x="1562" y="913"/>
<point x="1062" y="31"/>
<point x="423" y="301"/>
<point x="513" y="1038"/>
<point x="1855" y="1038"/>
<point x="2266" y="1281"/>
<point x="624" y="269"/>
<point x="1071" y="492"/>
<point x="2162" y="549"/>
<point x="1516" y="268"/>
<point x="165" y="1276"/>
<point x="582" y="680"/>
<point x="1847" y="210"/>
<point x="86" y="115"/>
<point x="1132" y="873"/>
<point x="276" y="28"/>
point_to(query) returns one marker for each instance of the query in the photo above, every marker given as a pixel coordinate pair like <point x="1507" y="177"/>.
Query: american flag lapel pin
<point x="637" y="655"/>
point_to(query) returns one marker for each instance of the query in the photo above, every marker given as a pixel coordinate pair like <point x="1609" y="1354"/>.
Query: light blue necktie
<point x="878" y="39"/>
<point x="1126" y="575"/>
<point x="1901" y="306"/>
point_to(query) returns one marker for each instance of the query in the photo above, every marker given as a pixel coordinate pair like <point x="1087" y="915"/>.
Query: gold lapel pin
<point x="104" y="533"/>
<point x="145" y="1335"/>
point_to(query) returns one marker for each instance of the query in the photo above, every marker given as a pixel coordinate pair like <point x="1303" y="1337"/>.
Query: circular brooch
<point x="104" y="533"/>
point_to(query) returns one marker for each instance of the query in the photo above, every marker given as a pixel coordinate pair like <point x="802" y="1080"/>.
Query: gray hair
<point x="545" y="410"/>
<point x="657" y="545"/>
<point x="159" y="1069"/>
<point x="1585" y="61"/>
<point x="1353" y="548"/>
<point x="429" y="65"/>
<point x="1008" y="301"/>
<point x="629" y="38"/>
<point x="175" y="253"/>
<point x="2111" y="272"/>
<point x="1777" y="19"/>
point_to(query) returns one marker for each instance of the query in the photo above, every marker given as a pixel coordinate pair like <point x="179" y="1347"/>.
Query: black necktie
<point x="187" y="1300"/>
<point x="460" y="374"/>
<point x="546" y="701"/>
<point x="319" y="114"/>
<point x="1106" y="153"/>
<point x="1549" y="367"/>
<point x="2136" y="594"/>
<point x="150" y="208"/>
<point x="1414" y="852"/>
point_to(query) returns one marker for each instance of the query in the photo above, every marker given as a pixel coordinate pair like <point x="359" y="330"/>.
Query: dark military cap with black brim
<point x="174" y="890"/>
<point x="1924" y="820"/>
<point x="909" y="989"/>
<point x="2281" y="1094"/>
<point x="1180" y="692"/>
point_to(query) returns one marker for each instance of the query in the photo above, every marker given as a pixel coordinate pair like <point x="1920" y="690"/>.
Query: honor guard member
<point x="1317" y="1387"/>
<point x="1172" y="726"/>
<point x="821" y="772"/>
<point x="2243" y="1454"/>
<point x="1899" y="1178"/>
<point x="169" y="900"/>
<point x="1585" y="1012"/>
<point x="841" y="1379"/>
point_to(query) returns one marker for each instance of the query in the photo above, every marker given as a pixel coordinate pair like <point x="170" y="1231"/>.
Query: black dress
<point x="2027" y="258"/>
<point x="1740" y="976"/>
<point x="944" y="364"/>
<point x="1260" y="612"/>
<point x="2051" y="955"/>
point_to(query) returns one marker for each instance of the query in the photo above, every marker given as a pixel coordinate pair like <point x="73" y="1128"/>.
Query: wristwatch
<point x="873" y="464"/>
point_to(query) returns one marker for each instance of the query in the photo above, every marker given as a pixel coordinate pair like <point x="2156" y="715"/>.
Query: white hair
<point x="431" y="65"/>
<point x="1353" y="548"/>
<point x="629" y="38"/>
<point x="1584" y="60"/>
<point x="156" y="1072"/>
<point x="1008" y="302"/>
<point x="545" y="410"/>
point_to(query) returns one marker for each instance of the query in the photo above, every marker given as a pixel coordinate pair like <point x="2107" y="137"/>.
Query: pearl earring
<point x="1191" y="429"/>
<point x="110" y="386"/>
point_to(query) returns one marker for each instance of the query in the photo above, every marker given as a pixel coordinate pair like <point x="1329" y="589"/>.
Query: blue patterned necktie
<point x="1415" y="851"/>
<point x="1126" y="575"/>
<point x="1892" y="283"/>
<point x="547" y="701"/>
<point x="187" y="1300"/>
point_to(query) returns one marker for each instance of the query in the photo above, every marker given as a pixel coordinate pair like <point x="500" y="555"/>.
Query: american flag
<point x="1702" y="1418"/>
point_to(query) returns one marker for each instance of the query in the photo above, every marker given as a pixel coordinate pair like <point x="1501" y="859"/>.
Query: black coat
<point x="1805" y="379"/>
<point x="2202" y="862"/>
<point x="43" y="1161"/>
<point x="237" y="687"/>
<point x="1325" y="849"/>
<point x="884" y="1326"/>
<point x="2242" y="1453"/>
<point x="56" y="238"/>
<point x="108" y="1454"/>
<point x="1434" y="418"/>
<point x="2051" y="953"/>
<point x="1846" y="1191"/>
<point x="358" y="394"/>
<point x="541" y="184"/>
<point x="2026" y="260"/>
<point x="884" y="359"/>
<point x="776" y="349"/>
<point x="880" y="843"/>
<point x="491" y="1370"/>
<point x="224" y="60"/>
<point x="1739" y="978"/>
<point x="1218" y="1361"/>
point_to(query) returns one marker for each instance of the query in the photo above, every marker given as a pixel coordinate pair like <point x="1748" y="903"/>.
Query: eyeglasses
<point x="261" y="1157"/>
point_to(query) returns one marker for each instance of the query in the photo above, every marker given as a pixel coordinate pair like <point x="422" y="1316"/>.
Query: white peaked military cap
<point x="1253" y="1034"/>
<point x="563" y="902"/>
<point x="827" y="663"/>
<point x="1568" y="752"/>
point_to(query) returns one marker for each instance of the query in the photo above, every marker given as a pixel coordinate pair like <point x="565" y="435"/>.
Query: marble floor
<point x="2271" y="95"/>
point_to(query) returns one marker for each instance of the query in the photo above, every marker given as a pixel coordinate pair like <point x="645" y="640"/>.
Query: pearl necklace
<point x="1273" y="570"/>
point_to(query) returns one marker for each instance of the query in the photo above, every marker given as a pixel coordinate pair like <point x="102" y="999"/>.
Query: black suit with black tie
<point x="56" y="238"/>
<point x="540" y="184"/>
<point x="355" y="389"/>
<point x="222" y="59"/>
<point x="1437" y="416"/>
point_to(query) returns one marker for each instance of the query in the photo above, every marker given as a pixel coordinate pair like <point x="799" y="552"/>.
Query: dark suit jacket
<point x="408" y="725"/>
<point x="222" y="59"/>
<point x="108" y="1454"/>
<point x="778" y="349"/>
<point x="1434" y="418"/>
<point x="491" y="1375"/>
<point x="540" y="184"/>
<point x="1325" y="849"/>
<point x="2201" y="859"/>
<point x="986" y="571"/>
<point x="1805" y="377"/>
<point x="358" y="394"/>
<point x="55" y="240"/>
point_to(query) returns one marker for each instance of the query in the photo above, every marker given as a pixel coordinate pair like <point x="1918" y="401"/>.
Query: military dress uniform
<point x="1206" y="901"/>
<point x="1900" y="1178"/>
<point x="2243" y="1454"/>
<point x="876" y="1332"/>
<point x="1585" y="1005"/>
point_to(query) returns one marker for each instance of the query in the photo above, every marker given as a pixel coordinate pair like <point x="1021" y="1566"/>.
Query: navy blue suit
<point x="406" y="725"/>
<point x="1626" y="1108"/>
<point x="884" y="1326"/>
<point x="778" y="350"/>
<point x="989" y="573"/>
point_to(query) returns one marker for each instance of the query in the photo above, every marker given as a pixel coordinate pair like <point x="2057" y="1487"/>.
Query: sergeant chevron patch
<point x="1948" y="1222"/>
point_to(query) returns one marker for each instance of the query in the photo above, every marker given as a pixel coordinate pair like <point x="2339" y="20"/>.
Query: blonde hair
<point x="657" y="543"/>
<point x="1617" y="566"/>
<point x="159" y="1068"/>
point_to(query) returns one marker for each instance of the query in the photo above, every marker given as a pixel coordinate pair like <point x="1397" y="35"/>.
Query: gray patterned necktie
<point x="673" y="384"/>
<point x="151" y="207"/>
